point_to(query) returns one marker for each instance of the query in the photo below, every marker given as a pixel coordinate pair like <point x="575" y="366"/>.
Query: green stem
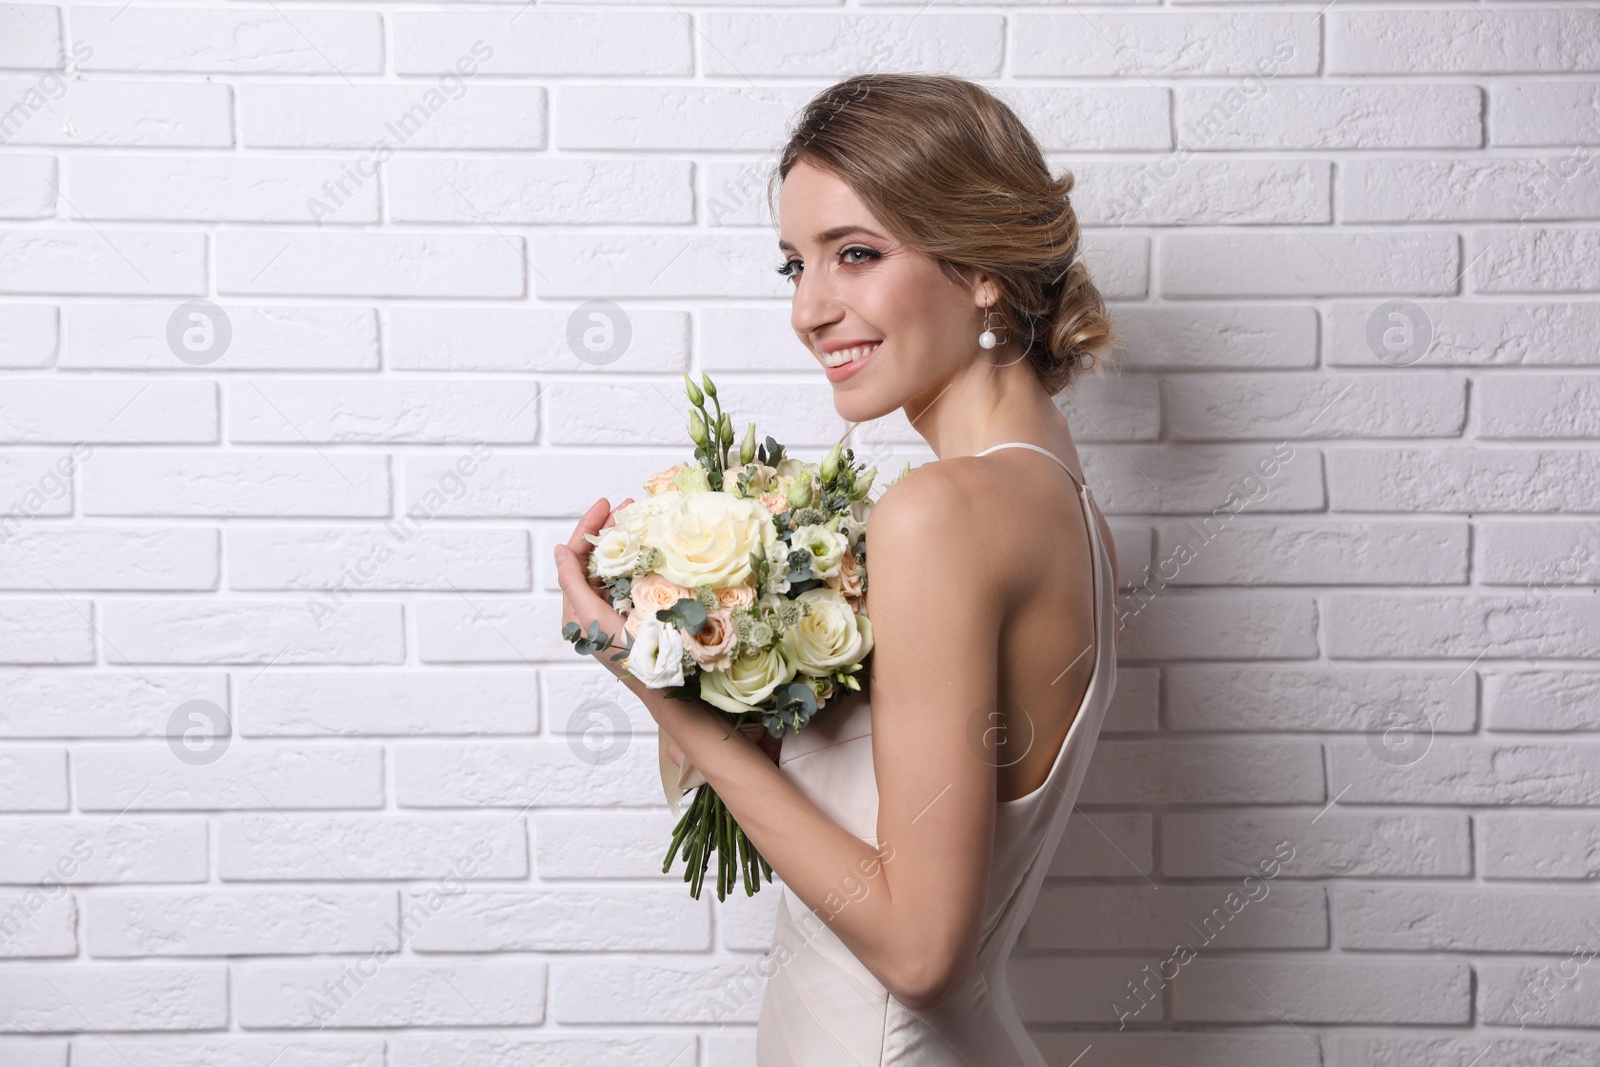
<point x="716" y="432"/>
<point x="722" y="852"/>
<point x="744" y="862"/>
<point x="731" y="855"/>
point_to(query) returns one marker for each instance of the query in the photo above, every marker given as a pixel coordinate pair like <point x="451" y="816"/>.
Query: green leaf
<point x="586" y="645"/>
<point x="689" y="614"/>
<point x="800" y="565"/>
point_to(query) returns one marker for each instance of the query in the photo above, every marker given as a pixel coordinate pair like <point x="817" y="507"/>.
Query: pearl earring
<point x="987" y="339"/>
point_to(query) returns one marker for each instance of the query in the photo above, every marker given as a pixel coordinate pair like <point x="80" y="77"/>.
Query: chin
<point x="863" y="404"/>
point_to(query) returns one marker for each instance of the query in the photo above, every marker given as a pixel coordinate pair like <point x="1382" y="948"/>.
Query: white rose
<point x="616" y="551"/>
<point x="636" y="516"/>
<point x="826" y="547"/>
<point x="831" y="636"/>
<point x="707" y="538"/>
<point x="748" y="682"/>
<point x="656" y="656"/>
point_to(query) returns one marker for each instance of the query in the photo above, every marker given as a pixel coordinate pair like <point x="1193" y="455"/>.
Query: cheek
<point x="911" y="310"/>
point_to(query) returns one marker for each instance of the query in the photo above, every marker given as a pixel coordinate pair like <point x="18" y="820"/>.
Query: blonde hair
<point x="952" y="171"/>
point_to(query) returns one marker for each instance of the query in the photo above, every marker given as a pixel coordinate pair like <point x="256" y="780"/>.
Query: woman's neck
<point x="982" y="406"/>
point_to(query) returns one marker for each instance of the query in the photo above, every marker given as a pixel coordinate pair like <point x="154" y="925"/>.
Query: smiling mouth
<point x="848" y="355"/>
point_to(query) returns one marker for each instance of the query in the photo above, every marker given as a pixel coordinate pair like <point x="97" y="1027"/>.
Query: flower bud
<point x="830" y="464"/>
<point x="697" y="427"/>
<point x="711" y="390"/>
<point x="747" y="448"/>
<point x="693" y="390"/>
<point x="863" y="483"/>
<point x="800" y="491"/>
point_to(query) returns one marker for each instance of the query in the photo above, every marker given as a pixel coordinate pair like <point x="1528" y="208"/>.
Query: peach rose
<point x="654" y="592"/>
<point x="848" y="580"/>
<point x="775" y="502"/>
<point x="713" y="646"/>
<point x="736" y="596"/>
<point x="661" y="482"/>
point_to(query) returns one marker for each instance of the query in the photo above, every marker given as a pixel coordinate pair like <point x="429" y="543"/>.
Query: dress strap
<point x="1043" y="451"/>
<point x="1103" y="672"/>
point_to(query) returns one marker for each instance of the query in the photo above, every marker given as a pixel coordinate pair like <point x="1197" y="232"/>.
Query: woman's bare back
<point x="1033" y="515"/>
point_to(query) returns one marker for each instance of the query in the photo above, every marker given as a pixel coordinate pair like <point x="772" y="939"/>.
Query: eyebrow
<point x="834" y="234"/>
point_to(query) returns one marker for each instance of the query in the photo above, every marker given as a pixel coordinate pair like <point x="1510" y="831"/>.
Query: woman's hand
<point x="583" y="599"/>
<point x="766" y="743"/>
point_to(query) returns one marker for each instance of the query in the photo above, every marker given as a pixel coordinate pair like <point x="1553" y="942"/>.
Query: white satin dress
<point x="821" y="1007"/>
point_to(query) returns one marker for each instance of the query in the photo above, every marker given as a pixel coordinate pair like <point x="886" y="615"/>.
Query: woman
<point x="934" y="267"/>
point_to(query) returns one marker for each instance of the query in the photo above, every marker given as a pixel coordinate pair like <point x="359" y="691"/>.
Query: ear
<point x="985" y="291"/>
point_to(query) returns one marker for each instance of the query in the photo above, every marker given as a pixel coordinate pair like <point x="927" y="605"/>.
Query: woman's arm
<point x="910" y="911"/>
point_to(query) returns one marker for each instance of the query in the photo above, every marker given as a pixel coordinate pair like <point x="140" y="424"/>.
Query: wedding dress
<point x="821" y="1007"/>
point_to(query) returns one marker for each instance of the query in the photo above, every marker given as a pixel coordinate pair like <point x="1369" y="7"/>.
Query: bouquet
<point x="741" y="584"/>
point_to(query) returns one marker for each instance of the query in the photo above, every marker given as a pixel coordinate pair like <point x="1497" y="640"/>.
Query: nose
<point x="815" y="304"/>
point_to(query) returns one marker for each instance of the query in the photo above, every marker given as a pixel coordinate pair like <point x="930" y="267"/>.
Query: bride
<point x="934" y="269"/>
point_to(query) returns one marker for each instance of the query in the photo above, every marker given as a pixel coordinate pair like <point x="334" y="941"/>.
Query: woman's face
<point x="855" y="288"/>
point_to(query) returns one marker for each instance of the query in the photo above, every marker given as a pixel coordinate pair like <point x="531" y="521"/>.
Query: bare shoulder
<point x="923" y="492"/>
<point x="989" y="525"/>
<point x="937" y="490"/>
<point x="934" y="514"/>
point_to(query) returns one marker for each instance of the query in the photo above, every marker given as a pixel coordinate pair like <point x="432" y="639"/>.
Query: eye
<point x="791" y="268"/>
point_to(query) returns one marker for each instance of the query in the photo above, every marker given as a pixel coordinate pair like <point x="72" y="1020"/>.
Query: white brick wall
<point x="328" y="546"/>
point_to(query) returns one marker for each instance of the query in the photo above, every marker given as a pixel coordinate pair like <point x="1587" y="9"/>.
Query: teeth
<point x="848" y="355"/>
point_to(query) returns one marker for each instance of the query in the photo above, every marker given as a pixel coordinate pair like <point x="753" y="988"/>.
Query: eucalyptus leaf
<point x="689" y="614"/>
